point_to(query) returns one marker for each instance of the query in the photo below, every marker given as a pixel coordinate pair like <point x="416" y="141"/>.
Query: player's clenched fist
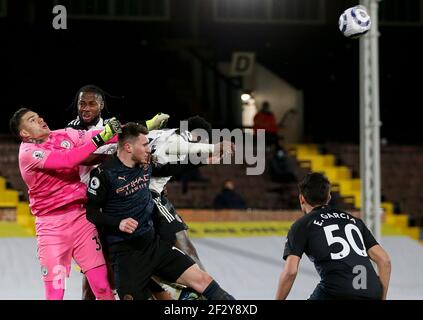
<point x="128" y="225"/>
<point x="158" y="122"/>
<point x="111" y="128"/>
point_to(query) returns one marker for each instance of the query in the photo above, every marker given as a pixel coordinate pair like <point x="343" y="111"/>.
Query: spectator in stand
<point x="228" y="198"/>
<point x="282" y="167"/>
<point x="265" y="119"/>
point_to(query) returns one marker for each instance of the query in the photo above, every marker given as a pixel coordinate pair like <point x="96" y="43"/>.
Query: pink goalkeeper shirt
<point x="51" y="170"/>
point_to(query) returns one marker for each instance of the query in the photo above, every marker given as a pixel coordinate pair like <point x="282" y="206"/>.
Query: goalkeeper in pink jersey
<point x="49" y="164"/>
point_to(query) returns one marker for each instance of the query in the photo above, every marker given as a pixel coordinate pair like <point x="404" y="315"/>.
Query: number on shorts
<point x="97" y="242"/>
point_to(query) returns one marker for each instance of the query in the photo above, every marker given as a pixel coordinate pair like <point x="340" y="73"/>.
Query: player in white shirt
<point x="172" y="145"/>
<point x="90" y="101"/>
<point x="169" y="145"/>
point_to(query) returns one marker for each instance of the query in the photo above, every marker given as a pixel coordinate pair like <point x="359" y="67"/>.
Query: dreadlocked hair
<point x="89" y="88"/>
<point x="94" y="89"/>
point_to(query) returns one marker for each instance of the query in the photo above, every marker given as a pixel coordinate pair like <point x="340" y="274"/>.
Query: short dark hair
<point x="15" y="121"/>
<point x="130" y="131"/>
<point x="315" y="188"/>
<point x="197" y="122"/>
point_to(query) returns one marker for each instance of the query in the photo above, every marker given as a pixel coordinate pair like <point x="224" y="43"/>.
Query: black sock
<point x="215" y="292"/>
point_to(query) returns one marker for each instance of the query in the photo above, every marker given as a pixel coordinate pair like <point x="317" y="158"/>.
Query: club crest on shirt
<point x="94" y="183"/>
<point x="65" y="144"/>
<point x="38" y="154"/>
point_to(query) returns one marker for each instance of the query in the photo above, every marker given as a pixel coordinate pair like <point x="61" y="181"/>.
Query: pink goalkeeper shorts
<point x="65" y="236"/>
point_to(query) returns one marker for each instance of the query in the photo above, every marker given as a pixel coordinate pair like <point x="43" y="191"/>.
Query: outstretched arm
<point x="157" y="122"/>
<point x="70" y="158"/>
<point x="214" y="152"/>
<point x="181" y="147"/>
<point x="94" y="159"/>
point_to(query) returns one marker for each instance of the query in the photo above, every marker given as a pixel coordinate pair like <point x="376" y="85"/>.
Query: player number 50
<point x="346" y="246"/>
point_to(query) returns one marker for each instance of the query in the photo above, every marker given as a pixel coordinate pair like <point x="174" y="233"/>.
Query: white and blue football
<point x="355" y="22"/>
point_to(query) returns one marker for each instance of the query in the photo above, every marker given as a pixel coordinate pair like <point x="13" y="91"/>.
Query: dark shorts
<point x="152" y="285"/>
<point x="135" y="261"/>
<point x="321" y="294"/>
<point x="167" y="222"/>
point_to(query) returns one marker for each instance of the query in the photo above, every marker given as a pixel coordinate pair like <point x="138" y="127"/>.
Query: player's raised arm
<point x="95" y="159"/>
<point x="178" y="146"/>
<point x="173" y="169"/>
<point x="159" y="121"/>
<point x="73" y="157"/>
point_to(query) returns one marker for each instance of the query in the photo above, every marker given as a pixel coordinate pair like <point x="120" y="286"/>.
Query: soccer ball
<point x="354" y="22"/>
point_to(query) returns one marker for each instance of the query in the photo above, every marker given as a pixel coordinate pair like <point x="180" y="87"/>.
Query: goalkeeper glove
<point x="159" y="121"/>
<point x="111" y="128"/>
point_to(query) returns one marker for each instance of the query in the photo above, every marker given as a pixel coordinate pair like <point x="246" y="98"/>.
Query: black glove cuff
<point x="98" y="141"/>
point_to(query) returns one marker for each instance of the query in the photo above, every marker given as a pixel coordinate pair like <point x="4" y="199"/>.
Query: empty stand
<point x="401" y="175"/>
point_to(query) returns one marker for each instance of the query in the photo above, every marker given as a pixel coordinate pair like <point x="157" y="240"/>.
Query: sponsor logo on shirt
<point x="133" y="186"/>
<point x="38" y="154"/>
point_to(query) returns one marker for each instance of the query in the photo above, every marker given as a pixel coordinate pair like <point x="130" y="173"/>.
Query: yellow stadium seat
<point x="2" y="184"/>
<point x="388" y="208"/>
<point x="9" y="196"/>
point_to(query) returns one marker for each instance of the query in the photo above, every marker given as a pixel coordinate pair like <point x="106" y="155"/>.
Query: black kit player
<point x="340" y="246"/>
<point x="119" y="199"/>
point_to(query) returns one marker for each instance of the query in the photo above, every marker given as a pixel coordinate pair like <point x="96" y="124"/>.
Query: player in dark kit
<point x="119" y="199"/>
<point x="89" y="102"/>
<point x="340" y="246"/>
